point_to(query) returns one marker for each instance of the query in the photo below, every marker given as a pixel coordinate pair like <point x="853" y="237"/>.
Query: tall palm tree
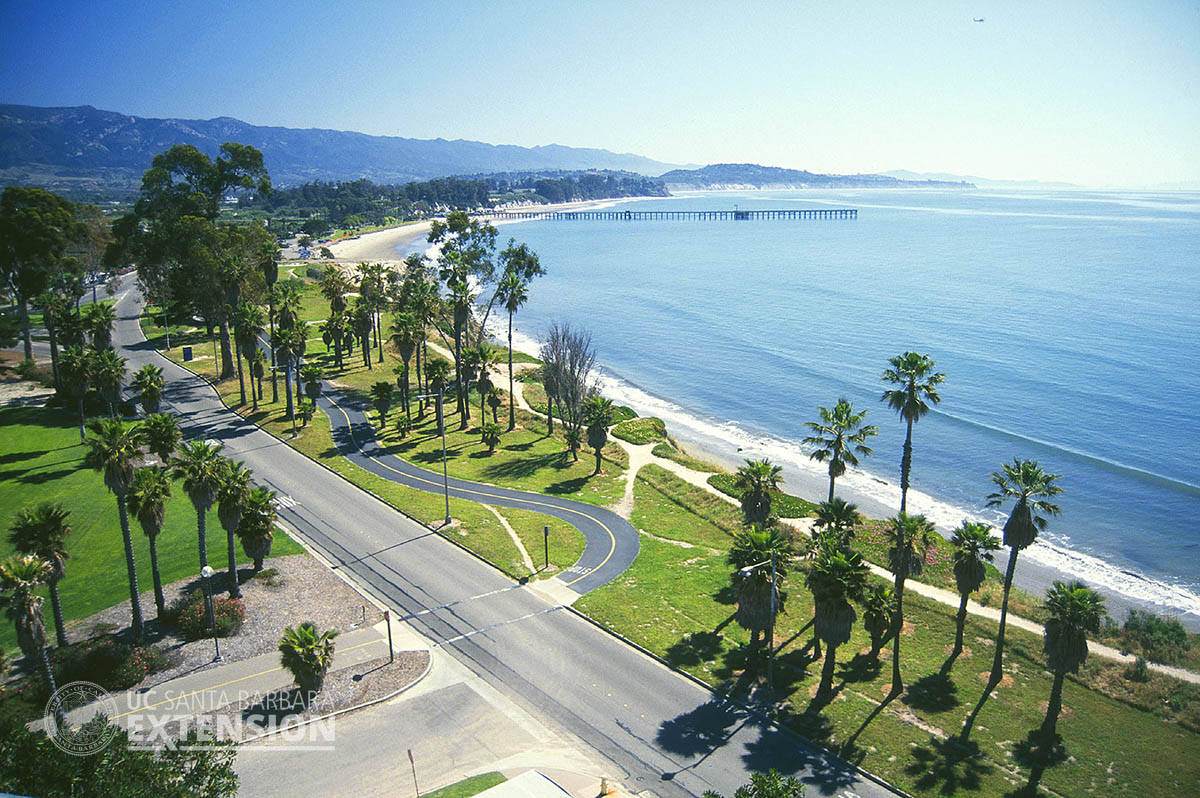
<point x="406" y="333"/>
<point x="162" y="435"/>
<point x="108" y="372"/>
<point x="200" y="465"/>
<point x="1030" y="486"/>
<point x="112" y="448"/>
<point x="248" y="324"/>
<point x="757" y="480"/>
<point x="231" y="503"/>
<point x="75" y="369"/>
<point x="918" y="382"/>
<point x="55" y="308"/>
<point x="147" y="500"/>
<point x="483" y="360"/>
<point x="362" y="321"/>
<point x="257" y="526"/>
<point x="257" y="361"/>
<point x="269" y="265"/>
<point x="836" y="577"/>
<point x="42" y="531"/>
<point x="1074" y="611"/>
<point x="909" y="537"/>
<point x="839" y="517"/>
<point x="840" y="437"/>
<point x="973" y="544"/>
<point x="148" y="382"/>
<point x="98" y="319"/>
<point x="514" y="292"/>
<point x="425" y="304"/>
<point x="438" y="372"/>
<point x="598" y="416"/>
<point x="752" y="547"/>
<point x="19" y="578"/>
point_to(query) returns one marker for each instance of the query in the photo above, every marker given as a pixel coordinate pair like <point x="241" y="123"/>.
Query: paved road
<point x="659" y="731"/>
<point x="612" y="542"/>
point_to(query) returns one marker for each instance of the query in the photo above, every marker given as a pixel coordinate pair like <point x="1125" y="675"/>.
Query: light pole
<point x="745" y="572"/>
<point x="207" y="572"/>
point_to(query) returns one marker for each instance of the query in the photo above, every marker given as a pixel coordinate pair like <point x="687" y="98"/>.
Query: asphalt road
<point x="661" y="731"/>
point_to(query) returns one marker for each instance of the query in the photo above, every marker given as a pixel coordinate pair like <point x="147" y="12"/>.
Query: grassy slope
<point x="675" y="601"/>
<point x="41" y="460"/>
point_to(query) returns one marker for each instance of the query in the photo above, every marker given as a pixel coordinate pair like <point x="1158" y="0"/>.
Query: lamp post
<point x="745" y="572"/>
<point x="207" y="572"/>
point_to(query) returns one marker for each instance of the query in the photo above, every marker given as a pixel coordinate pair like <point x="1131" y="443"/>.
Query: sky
<point x="1091" y="92"/>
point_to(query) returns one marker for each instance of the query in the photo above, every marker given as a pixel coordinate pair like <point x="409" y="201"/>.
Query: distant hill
<point x="982" y="182"/>
<point x="86" y="150"/>
<point x="749" y="175"/>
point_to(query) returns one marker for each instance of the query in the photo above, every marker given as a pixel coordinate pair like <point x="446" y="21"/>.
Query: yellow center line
<point x="226" y="684"/>
<point x="611" y="537"/>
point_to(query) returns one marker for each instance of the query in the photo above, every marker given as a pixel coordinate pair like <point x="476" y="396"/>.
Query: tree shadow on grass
<point x="725" y="595"/>
<point x="1037" y="753"/>
<point x="13" y="457"/>
<point x="694" y="648"/>
<point x="860" y="668"/>
<point x="522" y="467"/>
<point x="567" y="486"/>
<point x="850" y="744"/>
<point x="933" y="693"/>
<point x="518" y="447"/>
<point x="435" y="457"/>
<point x="948" y="766"/>
<point x="42" y="477"/>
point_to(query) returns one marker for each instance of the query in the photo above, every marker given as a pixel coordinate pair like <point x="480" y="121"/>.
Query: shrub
<point x="639" y="431"/>
<point x="140" y="662"/>
<point x="191" y="615"/>
<point x="28" y="370"/>
<point x="108" y="662"/>
<point x="1138" y="671"/>
<point x="622" y="413"/>
<point x="1160" y="639"/>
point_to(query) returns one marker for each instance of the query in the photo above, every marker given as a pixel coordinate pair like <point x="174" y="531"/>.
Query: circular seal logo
<point x="93" y="735"/>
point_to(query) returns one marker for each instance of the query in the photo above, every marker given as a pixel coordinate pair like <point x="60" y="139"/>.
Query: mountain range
<point x="752" y="175"/>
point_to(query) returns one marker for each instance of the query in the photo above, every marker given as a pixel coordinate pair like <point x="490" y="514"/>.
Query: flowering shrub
<point x="191" y="615"/>
<point x="108" y="662"/>
<point x="140" y="663"/>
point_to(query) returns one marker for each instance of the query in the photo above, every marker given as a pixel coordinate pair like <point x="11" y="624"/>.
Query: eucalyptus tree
<point x="840" y="518"/>
<point x="515" y="260"/>
<point x="257" y="526"/>
<point x="569" y="360"/>
<point x="909" y="538"/>
<point x="405" y="332"/>
<point x="76" y="368"/>
<point x="162" y="435"/>
<point x="147" y="499"/>
<point x="113" y="447"/>
<point x="752" y="548"/>
<point x="1074" y="611"/>
<point x="757" y="480"/>
<point x="1025" y="482"/>
<point x="200" y="465"/>
<point x="840" y="437"/>
<point x="836" y="578"/>
<point x="918" y="383"/>
<point x="148" y="382"/>
<point x="973" y="544"/>
<point x="19" y="578"/>
<point x="42" y="531"/>
<point x="231" y="504"/>
<point x="598" y="416"/>
<point x="514" y="292"/>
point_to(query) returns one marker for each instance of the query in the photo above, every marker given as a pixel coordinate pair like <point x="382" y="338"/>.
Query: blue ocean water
<point x="1067" y="324"/>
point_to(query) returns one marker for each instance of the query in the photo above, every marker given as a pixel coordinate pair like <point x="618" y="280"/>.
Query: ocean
<point x="1067" y="324"/>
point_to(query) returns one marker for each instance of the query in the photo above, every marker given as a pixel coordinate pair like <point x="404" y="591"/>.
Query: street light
<point x="445" y="475"/>
<point x="207" y="572"/>
<point x="745" y="572"/>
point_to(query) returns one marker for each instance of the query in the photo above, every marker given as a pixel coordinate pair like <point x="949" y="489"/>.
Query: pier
<point x="636" y="216"/>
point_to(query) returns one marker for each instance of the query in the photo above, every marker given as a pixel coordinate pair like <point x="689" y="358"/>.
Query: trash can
<point x="187" y="354"/>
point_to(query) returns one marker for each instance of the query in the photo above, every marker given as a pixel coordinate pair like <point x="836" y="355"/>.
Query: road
<point x="660" y="731"/>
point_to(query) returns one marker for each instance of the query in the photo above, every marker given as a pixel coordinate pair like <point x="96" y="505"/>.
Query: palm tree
<point x="162" y="435"/>
<point x="148" y="502"/>
<point x="381" y="398"/>
<point x="200" y="465"/>
<point x="425" y="304"/>
<point x="55" y="308"/>
<point x="148" y="382"/>
<point x="362" y="321"/>
<point x="1074" y="611"/>
<point x="248" y="324"/>
<point x="840" y="438"/>
<point x="19" y="578"/>
<point x="312" y="374"/>
<point x="98" y="319"/>
<point x="757" y="480"/>
<point x="42" y="531"/>
<point x="598" y="416"/>
<point x="75" y="369"/>
<point x="491" y="435"/>
<point x="514" y="292"/>
<point x="771" y="784"/>
<point x="405" y="337"/>
<point x="257" y="361"/>
<point x="877" y="604"/>
<point x="973" y="545"/>
<point x="494" y="400"/>
<point x="112" y="448"/>
<point x="231" y="503"/>
<point x="437" y="372"/>
<point x="1025" y="481"/>
<point x="909" y="537"/>
<point x="753" y="547"/>
<point x="256" y="530"/>
<point x="108" y="372"/>
<point x="836" y="578"/>
<point x="483" y="360"/>
<point x="308" y="655"/>
<point x="918" y="382"/>
<point x="839" y="517"/>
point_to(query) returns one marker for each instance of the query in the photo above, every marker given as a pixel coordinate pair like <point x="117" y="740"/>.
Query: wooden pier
<point x="633" y="216"/>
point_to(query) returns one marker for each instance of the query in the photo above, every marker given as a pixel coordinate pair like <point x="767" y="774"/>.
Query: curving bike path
<point x="611" y="541"/>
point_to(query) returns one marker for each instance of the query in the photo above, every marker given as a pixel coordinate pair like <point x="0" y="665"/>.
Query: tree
<point x="75" y="375"/>
<point x="767" y="785"/>
<point x="1025" y="481"/>
<point x="148" y="382"/>
<point x="494" y="400"/>
<point x="231" y="504"/>
<point x="112" y="448"/>
<point x="162" y="435"/>
<point x="838" y="517"/>
<point x="909" y="537"/>
<point x="514" y="292"/>
<point x="918" y="383"/>
<point x="108" y="372"/>
<point x="405" y="337"/>
<point x="569" y="359"/>
<point x="752" y="547"/>
<point x="973" y="544"/>
<point x="757" y="480"/>
<point x="147" y="500"/>
<point x="1074" y="611"/>
<point x="42" y="531"/>
<point x="56" y="307"/>
<point x="381" y="398"/>
<point x="98" y="319"/>
<point x="877" y="604"/>
<point x="598" y="416"/>
<point x="257" y="527"/>
<point x="438" y="371"/>
<point x="200" y="465"/>
<point x="840" y="437"/>
<point x="19" y="577"/>
<point x="836" y="578"/>
<point x="491" y="435"/>
<point x="307" y="654"/>
<point x="483" y="359"/>
<point x="258" y="367"/>
<point x="248" y="325"/>
<point x="35" y="228"/>
<point x="362" y="321"/>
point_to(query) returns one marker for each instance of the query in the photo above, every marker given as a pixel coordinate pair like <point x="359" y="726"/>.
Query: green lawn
<point x="469" y="786"/>
<point x="666" y="450"/>
<point x="41" y="460"/>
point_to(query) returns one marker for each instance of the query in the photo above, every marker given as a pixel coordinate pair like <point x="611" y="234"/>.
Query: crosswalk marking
<point x="284" y="500"/>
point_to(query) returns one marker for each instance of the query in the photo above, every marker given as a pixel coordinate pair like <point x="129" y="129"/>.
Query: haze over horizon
<point x="1089" y="93"/>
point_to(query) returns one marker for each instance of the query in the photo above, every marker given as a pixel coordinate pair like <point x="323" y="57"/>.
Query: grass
<point x="783" y="504"/>
<point x="41" y="460"/>
<point x="669" y="452"/>
<point x="469" y="786"/>
<point x="639" y="431"/>
<point x="1120" y="736"/>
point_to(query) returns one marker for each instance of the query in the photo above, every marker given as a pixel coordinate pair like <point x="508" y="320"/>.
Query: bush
<point x="28" y="370"/>
<point x="191" y="615"/>
<point x="622" y="413"/>
<point x="108" y="662"/>
<point x="639" y="431"/>
<point x="783" y="504"/>
<point x="1160" y="639"/>
<point x="140" y="663"/>
<point x="1138" y="671"/>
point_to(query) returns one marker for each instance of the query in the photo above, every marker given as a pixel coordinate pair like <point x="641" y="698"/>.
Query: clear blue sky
<point x="1095" y="92"/>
